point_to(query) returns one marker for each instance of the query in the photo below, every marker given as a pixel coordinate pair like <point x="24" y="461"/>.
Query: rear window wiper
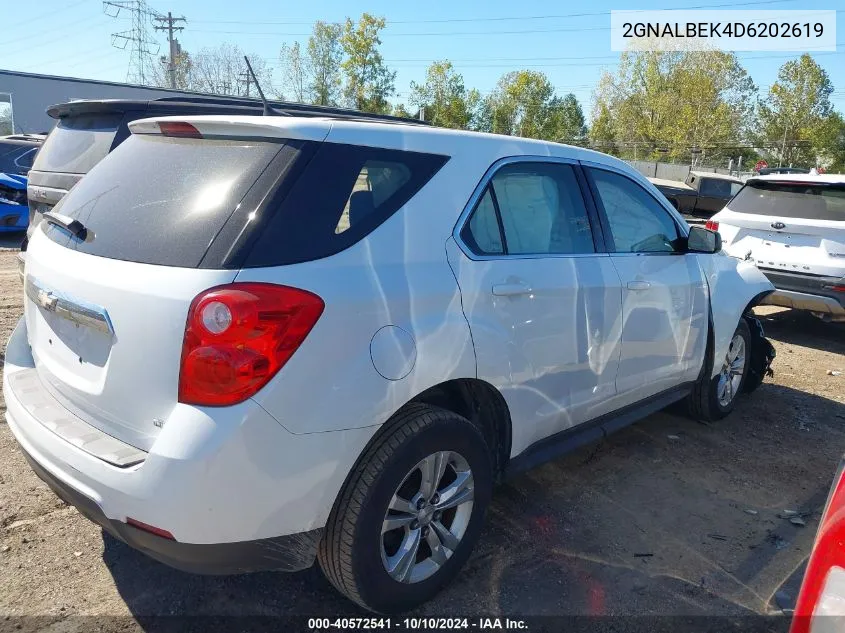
<point x="72" y="226"/>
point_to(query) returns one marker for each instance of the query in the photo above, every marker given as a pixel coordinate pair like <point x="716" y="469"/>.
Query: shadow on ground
<point x="802" y="328"/>
<point x="668" y="516"/>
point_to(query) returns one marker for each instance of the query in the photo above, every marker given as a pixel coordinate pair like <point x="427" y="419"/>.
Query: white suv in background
<point x="252" y="342"/>
<point x="792" y="226"/>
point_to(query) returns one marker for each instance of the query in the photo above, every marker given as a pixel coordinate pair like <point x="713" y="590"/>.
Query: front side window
<point x="540" y="209"/>
<point x="637" y="222"/>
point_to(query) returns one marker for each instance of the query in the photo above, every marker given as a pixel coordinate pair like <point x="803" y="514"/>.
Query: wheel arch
<point x="483" y="405"/>
<point x="476" y="400"/>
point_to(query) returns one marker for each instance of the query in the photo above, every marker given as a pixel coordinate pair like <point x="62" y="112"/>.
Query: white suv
<point x="792" y="226"/>
<point x="252" y="342"/>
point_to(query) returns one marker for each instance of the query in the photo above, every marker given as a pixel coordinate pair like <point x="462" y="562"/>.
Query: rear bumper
<point x="237" y="491"/>
<point x="283" y="553"/>
<point x="806" y="292"/>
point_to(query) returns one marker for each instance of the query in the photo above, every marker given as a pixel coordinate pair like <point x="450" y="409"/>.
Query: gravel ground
<point x="668" y="516"/>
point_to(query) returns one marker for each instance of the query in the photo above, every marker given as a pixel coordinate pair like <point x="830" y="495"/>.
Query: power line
<point x="40" y="34"/>
<point x="440" y="33"/>
<point x="503" y="19"/>
<point x="49" y="14"/>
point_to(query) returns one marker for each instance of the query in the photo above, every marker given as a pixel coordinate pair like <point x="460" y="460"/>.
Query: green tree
<point x="444" y="98"/>
<point x="222" y="70"/>
<point x="296" y="73"/>
<point x="400" y="110"/>
<point x="183" y="75"/>
<point x="795" y="117"/>
<point x="828" y="139"/>
<point x="325" y="54"/>
<point x="369" y="82"/>
<point x="524" y="104"/>
<point x="566" y="120"/>
<point x="667" y="103"/>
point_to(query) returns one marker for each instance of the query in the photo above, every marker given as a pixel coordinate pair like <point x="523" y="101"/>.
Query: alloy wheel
<point x="427" y="517"/>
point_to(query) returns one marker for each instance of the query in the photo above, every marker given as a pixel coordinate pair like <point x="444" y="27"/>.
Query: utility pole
<point x="783" y="145"/>
<point x="247" y="77"/>
<point x="166" y="24"/>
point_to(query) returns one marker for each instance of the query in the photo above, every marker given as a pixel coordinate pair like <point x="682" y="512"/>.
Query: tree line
<point x="686" y="106"/>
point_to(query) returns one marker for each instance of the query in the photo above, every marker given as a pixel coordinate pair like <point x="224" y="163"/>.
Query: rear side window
<point x="344" y="194"/>
<point x="718" y="188"/>
<point x="24" y="160"/>
<point x="538" y="206"/>
<point x="160" y="200"/>
<point x="78" y="143"/>
<point x="482" y="233"/>
<point x="806" y="201"/>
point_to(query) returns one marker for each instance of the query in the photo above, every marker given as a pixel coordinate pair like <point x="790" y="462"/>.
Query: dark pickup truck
<point x="701" y="195"/>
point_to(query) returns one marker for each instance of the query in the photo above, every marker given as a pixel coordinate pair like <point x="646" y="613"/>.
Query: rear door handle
<point x="511" y="290"/>
<point x="638" y="285"/>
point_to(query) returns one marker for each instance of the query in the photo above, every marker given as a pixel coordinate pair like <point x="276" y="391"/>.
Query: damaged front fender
<point x="735" y="287"/>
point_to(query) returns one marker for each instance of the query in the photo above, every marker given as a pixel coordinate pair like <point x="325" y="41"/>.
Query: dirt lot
<point x="667" y="516"/>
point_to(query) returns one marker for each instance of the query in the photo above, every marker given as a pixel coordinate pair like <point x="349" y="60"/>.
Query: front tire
<point x="714" y="398"/>
<point x="410" y="512"/>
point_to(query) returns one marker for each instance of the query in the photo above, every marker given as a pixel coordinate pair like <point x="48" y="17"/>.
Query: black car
<point x="702" y="193"/>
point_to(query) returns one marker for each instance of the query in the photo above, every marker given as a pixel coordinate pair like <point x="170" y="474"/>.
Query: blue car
<point x="14" y="212"/>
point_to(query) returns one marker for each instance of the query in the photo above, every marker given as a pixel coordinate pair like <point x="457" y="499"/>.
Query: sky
<point x="569" y="41"/>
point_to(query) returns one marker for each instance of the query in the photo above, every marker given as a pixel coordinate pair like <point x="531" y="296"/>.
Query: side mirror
<point x="703" y="240"/>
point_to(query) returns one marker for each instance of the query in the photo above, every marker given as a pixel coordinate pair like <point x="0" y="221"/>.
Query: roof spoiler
<point x="208" y="104"/>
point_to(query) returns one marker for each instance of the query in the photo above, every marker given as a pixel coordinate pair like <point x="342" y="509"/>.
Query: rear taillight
<point x="823" y="589"/>
<point x="238" y="336"/>
<point x="711" y="225"/>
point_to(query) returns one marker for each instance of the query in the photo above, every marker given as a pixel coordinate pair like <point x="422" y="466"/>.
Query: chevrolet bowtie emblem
<point x="47" y="300"/>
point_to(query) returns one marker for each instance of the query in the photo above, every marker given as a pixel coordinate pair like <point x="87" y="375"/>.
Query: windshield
<point x="809" y="201"/>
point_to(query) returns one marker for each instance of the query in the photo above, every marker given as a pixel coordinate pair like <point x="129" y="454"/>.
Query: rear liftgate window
<point x="161" y="200"/>
<point x="807" y="201"/>
<point x="344" y="194"/>
<point x="78" y="143"/>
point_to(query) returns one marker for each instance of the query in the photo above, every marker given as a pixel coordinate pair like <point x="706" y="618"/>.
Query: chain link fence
<point x="674" y="171"/>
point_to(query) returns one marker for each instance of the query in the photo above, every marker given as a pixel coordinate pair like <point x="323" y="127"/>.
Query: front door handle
<point x="511" y="290"/>
<point x="638" y="285"/>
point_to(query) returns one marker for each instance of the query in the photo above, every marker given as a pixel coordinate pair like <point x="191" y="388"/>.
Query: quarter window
<point x="637" y="222"/>
<point x="539" y="207"/>
<point x="482" y="232"/>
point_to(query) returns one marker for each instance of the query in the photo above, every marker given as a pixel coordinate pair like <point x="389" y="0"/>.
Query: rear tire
<point x="714" y="398"/>
<point x="363" y="554"/>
